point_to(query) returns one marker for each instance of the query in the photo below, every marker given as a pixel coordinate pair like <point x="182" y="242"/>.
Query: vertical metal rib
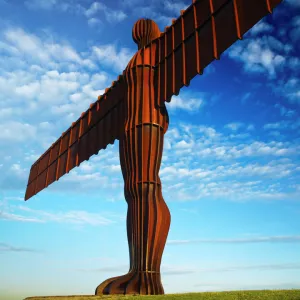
<point x="238" y="28"/>
<point x="214" y="29"/>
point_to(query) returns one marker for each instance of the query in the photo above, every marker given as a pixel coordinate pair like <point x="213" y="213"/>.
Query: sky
<point x="230" y="167"/>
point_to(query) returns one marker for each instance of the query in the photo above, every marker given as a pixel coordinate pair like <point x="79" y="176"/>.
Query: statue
<point x="148" y="217"/>
<point x="133" y="110"/>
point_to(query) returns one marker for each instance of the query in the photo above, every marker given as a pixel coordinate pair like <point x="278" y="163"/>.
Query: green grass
<point x="230" y="295"/>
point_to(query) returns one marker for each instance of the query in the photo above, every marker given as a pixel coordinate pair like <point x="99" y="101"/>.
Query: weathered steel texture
<point x="164" y="63"/>
<point x="148" y="217"/>
<point x="97" y="127"/>
<point x="178" y="57"/>
<point x="200" y="35"/>
<point x="145" y="31"/>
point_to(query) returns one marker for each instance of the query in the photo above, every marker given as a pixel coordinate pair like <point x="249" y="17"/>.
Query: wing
<point x="97" y="127"/>
<point x="203" y="31"/>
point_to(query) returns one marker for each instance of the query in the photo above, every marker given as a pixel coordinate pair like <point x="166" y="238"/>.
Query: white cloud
<point x="250" y="127"/>
<point x="67" y="6"/>
<point x="99" y="80"/>
<point x="253" y="169"/>
<point x="86" y="167"/>
<point x="14" y="217"/>
<point x="261" y="27"/>
<point x="268" y="239"/>
<point x="69" y="217"/>
<point x="111" y="15"/>
<point x="175" y="6"/>
<point x="93" y="22"/>
<point x="182" y="144"/>
<point x="284" y="111"/>
<point x="33" y="90"/>
<point x="6" y="113"/>
<point x="109" y="56"/>
<point x="279" y="125"/>
<point x="264" y="55"/>
<point x="22" y="44"/>
<point x="275" y="133"/>
<point x="191" y="147"/>
<point x="208" y="131"/>
<point x="25" y="43"/>
<point x="90" y="92"/>
<point x="70" y="92"/>
<point x="94" y="8"/>
<point x="28" y="90"/>
<point x="16" y="132"/>
<point x="234" y="126"/>
<point x="270" y="56"/>
<point x="185" y="102"/>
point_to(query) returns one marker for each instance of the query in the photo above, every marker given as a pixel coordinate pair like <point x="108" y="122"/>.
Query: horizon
<point x="230" y="168"/>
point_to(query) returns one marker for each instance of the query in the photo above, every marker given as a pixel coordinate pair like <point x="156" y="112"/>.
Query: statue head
<point x="144" y="31"/>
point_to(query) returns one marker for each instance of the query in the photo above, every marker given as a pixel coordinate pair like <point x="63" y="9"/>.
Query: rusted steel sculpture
<point x="133" y="111"/>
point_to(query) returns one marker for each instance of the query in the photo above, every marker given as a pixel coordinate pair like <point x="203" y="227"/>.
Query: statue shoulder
<point x="144" y="56"/>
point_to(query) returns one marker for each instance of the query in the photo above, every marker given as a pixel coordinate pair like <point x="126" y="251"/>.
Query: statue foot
<point x="134" y="282"/>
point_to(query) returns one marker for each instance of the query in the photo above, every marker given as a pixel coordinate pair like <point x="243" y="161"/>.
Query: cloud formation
<point x="269" y="239"/>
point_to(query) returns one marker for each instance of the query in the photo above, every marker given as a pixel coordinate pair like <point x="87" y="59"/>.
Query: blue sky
<point x="230" y="169"/>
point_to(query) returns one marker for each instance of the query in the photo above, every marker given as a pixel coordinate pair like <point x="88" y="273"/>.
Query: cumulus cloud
<point x="40" y="96"/>
<point x="261" y="52"/>
<point x="16" y="132"/>
<point x="175" y="6"/>
<point x="282" y="125"/>
<point x="93" y="22"/>
<point x="249" y="170"/>
<point x="261" y="27"/>
<point x="186" y="103"/>
<point x="284" y="111"/>
<point x="111" y="15"/>
<point x="19" y="44"/>
<point x="43" y="86"/>
<point x="257" y="57"/>
<point x="109" y="56"/>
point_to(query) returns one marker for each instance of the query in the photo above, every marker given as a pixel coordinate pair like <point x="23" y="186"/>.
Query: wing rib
<point x="200" y="35"/>
<point x="97" y="127"/>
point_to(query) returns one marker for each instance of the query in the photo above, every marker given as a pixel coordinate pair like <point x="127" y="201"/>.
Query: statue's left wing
<point x="203" y="31"/>
<point x="97" y="127"/>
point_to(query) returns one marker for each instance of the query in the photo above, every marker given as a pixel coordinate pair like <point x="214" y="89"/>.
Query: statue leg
<point x="148" y="217"/>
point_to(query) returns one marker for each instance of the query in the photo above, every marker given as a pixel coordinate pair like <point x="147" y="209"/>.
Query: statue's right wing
<point x="97" y="127"/>
<point x="200" y="35"/>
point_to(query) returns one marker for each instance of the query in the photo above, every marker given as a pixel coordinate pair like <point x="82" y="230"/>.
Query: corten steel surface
<point x="133" y="111"/>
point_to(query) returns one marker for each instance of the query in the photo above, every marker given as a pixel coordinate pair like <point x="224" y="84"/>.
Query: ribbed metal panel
<point x="80" y="141"/>
<point x="200" y="35"/>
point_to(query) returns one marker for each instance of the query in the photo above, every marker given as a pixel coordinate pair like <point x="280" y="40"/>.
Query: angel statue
<point x="133" y="111"/>
<point x="141" y="148"/>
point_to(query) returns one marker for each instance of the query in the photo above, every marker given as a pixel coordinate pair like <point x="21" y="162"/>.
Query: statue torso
<point x="140" y="98"/>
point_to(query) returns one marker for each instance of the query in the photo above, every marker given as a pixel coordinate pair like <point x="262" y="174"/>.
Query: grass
<point x="230" y="295"/>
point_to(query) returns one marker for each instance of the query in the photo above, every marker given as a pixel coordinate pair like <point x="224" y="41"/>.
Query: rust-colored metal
<point x="133" y="111"/>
